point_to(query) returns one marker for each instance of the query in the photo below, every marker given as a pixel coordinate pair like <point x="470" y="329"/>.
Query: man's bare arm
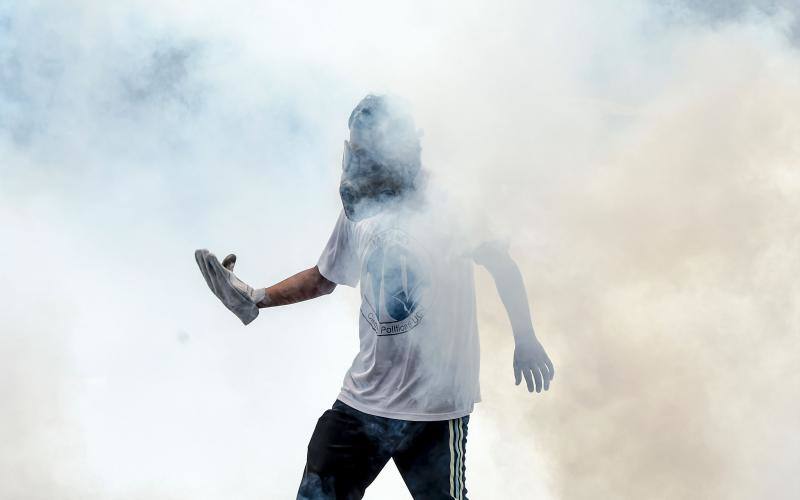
<point x="530" y="358"/>
<point x="304" y="285"/>
<point x="510" y="286"/>
<point x="245" y="301"/>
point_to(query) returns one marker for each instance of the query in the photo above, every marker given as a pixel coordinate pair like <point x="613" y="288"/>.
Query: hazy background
<point x="642" y="155"/>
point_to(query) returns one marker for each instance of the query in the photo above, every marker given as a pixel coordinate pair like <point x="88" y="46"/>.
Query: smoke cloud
<point x="641" y="158"/>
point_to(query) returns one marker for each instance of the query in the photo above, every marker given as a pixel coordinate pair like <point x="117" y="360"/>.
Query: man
<point x="411" y="388"/>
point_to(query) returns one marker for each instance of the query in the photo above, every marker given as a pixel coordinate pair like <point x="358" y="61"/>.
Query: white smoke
<point x="643" y="160"/>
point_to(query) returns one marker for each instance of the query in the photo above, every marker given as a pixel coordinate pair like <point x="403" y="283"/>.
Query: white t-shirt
<point x="419" y="354"/>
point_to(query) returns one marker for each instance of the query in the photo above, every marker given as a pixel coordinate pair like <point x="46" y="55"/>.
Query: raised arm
<point x="530" y="358"/>
<point x="243" y="300"/>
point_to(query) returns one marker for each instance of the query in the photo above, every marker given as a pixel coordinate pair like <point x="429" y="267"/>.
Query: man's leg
<point x="344" y="455"/>
<point x="431" y="461"/>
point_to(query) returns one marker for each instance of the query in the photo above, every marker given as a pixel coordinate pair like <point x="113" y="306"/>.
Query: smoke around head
<point x="385" y="126"/>
<point x="381" y="161"/>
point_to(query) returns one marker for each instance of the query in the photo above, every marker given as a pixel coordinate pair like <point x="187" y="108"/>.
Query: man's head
<point x="382" y="158"/>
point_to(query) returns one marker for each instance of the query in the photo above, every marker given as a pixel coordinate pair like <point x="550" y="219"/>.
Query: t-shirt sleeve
<point x="485" y="250"/>
<point x="339" y="259"/>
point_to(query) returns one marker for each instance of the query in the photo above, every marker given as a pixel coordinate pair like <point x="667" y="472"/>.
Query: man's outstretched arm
<point x="243" y="300"/>
<point x="305" y="285"/>
<point x="530" y="358"/>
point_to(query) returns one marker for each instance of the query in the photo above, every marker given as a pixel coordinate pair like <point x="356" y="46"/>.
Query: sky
<point x="642" y="156"/>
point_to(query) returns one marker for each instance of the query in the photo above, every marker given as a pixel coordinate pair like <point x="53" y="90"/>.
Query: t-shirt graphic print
<point x="396" y="283"/>
<point x="418" y="353"/>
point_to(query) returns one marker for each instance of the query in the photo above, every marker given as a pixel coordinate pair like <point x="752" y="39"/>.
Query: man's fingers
<point x="199" y="257"/>
<point x="550" y="367"/>
<point x="218" y="273"/>
<point x="528" y="378"/>
<point x="537" y="376"/>
<point x="218" y="276"/>
<point x="234" y="295"/>
<point x="229" y="261"/>
<point x="212" y="268"/>
<point x="546" y="377"/>
<point x="517" y="375"/>
<point x="544" y="367"/>
<point x="198" y="254"/>
<point x="213" y="262"/>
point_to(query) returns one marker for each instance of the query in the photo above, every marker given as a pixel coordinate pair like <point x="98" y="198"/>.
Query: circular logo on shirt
<point x="395" y="283"/>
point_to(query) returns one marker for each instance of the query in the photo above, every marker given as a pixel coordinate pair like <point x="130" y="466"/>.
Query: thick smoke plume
<point x="661" y="276"/>
<point x="642" y="159"/>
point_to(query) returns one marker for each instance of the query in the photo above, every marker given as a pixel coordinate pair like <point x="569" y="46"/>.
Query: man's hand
<point x="239" y="297"/>
<point x="532" y="362"/>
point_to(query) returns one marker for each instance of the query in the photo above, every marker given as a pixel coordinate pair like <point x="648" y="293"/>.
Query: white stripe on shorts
<point x="460" y="490"/>
<point x="452" y="459"/>
<point x="456" y="428"/>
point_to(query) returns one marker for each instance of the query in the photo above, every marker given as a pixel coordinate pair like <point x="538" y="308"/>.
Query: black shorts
<point x="349" y="448"/>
